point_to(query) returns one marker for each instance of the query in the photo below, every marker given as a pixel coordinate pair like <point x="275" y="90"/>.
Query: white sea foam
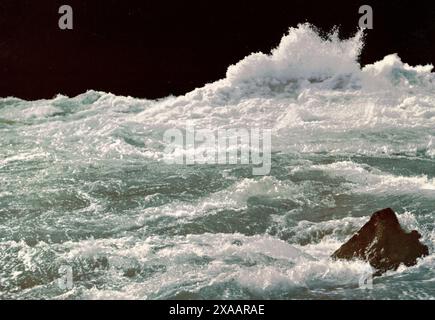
<point x="261" y="264"/>
<point x="302" y="54"/>
<point x="234" y="197"/>
<point x="311" y="91"/>
<point x="246" y="261"/>
<point x="371" y="180"/>
<point x="315" y="97"/>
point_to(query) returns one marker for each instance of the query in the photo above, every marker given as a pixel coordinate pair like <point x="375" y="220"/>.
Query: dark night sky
<point x="152" y="49"/>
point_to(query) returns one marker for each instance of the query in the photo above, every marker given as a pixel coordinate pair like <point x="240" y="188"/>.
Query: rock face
<point x="384" y="244"/>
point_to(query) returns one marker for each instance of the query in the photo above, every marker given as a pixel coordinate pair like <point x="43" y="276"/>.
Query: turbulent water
<point x="84" y="184"/>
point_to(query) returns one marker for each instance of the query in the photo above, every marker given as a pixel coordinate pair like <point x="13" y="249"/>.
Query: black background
<point x="273" y="309"/>
<point x="153" y="49"/>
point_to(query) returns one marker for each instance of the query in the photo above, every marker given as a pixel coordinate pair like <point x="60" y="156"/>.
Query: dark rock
<point x="384" y="244"/>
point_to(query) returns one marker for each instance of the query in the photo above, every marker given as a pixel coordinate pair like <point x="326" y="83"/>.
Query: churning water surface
<point x="83" y="183"/>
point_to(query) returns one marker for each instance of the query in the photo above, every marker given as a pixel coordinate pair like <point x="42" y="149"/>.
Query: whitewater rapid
<point x="84" y="184"/>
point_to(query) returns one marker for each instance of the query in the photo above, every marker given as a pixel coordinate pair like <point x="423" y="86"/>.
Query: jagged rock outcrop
<point x="384" y="244"/>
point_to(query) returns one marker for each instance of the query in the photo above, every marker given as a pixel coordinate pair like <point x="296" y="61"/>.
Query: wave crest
<point x="301" y="54"/>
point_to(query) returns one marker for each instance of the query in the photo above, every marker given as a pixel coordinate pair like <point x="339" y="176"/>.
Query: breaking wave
<point x="84" y="183"/>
